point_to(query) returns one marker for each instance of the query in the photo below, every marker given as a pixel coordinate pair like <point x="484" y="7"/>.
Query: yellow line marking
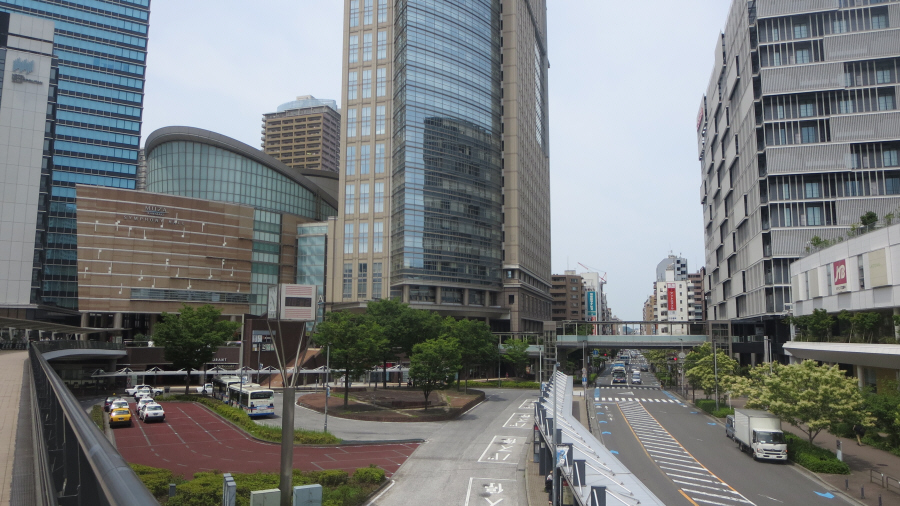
<point x="688" y="498"/>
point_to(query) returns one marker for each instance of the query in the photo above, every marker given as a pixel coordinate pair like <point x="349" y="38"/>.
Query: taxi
<point x="120" y="416"/>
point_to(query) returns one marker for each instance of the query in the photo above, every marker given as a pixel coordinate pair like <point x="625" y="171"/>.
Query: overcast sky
<point x="625" y="84"/>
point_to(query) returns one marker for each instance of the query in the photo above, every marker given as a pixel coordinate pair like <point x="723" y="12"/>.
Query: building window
<point x="353" y="54"/>
<point x="349" y="197"/>
<point x="879" y="21"/>
<point x="801" y="31"/>
<point x="807" y="134"/>
<point x="351" y="160"/>
<point x="363" y="237"/>
<point x="379" y="197"/>
<point x="883" y="75"/>
<point x="862" y="272"/>
<point x="892" y="185"/>
<point x="807" y="108"/>
<point x="382" y="14"/>
<point x="382" y="45"/>
<point x="376" y="280"/>
<point x="354" y="13"/>
<point x="851" y="188"/>
<point x="846" y="106"/>
<point x="889" y="157"/>
<point x="347" y="291"/>
<point x="352" y="83"/>
<point x="812" y="191"/>
<point x="377" y="237"/>
<point x="776" y="58"/>
<point x="366" y="83"/>
<point x="802" y="56"/>
<point x="366" y="126"/>
<point x="886" y="103"/>
<point x="348" y="238"/>
<point x="364" y="158"/>
<point x="367" y="12"/>
<point x="367" y="47"/>
<point x="379" y="158"/>
<point x="380" y="82"/>
<point x="379" y="119"/>
<point x="351" y="122"/>
<point x="839" y="26"/>
<point x="813" y="216"/>
<point x="787" y="217"/>
<point x="363" y="201"/>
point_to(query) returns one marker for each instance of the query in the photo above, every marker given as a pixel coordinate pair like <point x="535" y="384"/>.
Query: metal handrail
<point x="872" y="473"/>
<point x="887" y="483"/>
<point x="84" y="467"/>
<point x="65" y="344"/>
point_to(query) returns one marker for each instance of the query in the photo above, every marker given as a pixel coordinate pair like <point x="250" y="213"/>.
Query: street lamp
<point x="681" y="366"/>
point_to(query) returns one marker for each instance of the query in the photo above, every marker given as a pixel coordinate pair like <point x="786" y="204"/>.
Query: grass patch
<point x="510" y="384"/>
<point x="709" y="405"/>
<point x="265" y="432"/>
<point x="205" y="489"/>
<point x="875" y="441"/>
<point x="97" y="415"/>
<point x="810" y="456"/>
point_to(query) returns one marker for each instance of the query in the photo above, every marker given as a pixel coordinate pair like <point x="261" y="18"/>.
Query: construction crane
<point x="593" y="269"/>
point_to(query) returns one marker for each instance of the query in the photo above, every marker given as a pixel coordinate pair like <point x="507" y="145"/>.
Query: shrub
<point x="810" y="456"/>
<point x="709" y="405"/>
<point x="372" y="475"/>
<point x="155" y="479"/>
<point x="97" y="415"/>
<point x="331" y="477"/>
<point x="510" y="384"/>
<point x="205" y="489"/>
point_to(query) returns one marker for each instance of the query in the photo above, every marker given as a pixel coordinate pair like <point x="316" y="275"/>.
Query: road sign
<point x="681" y="355"/>
<point x="596" y="353"/>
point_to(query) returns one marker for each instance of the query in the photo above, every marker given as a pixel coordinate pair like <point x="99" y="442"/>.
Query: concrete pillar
<point x="405" y="294"/>
<point x="897" y="327"/>
<point x="151" y="324"/>
<point x="860" y="375"/>
<point x="753" y="360"/>
<point x="437" y="295"/>
<point x="85" y="321"/>
<point x="466" y="297"/>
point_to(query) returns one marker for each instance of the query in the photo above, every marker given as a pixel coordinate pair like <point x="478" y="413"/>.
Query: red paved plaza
<point x="193" y="439"/>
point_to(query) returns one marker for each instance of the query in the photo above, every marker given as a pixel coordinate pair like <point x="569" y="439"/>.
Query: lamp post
<point x="681" y="366"/>
<point x="499" y="357"/>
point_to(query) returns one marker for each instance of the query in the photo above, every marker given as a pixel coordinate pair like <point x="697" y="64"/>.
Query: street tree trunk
<point x="346" y="388"/>
<point x="187" y="387"/>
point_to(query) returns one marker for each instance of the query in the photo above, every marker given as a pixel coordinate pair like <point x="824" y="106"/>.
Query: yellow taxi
<point x="120" y="416"/>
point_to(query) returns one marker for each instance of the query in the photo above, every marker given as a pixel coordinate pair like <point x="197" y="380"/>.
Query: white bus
<point x="221" y="384"/>
<point x="253" y="399"/>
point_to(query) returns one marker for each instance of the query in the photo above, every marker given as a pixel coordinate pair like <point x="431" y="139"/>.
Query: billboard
<point x="670" y="296"/>
<point x="840" y="276"/>
<point x="292" y="302"/>
<point x="592" y="303"/>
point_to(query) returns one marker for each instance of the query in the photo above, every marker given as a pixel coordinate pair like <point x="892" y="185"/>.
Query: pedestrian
<point x="507" y="375"/>
<point x="860" y="432"/>
<point x="548" y="483"/>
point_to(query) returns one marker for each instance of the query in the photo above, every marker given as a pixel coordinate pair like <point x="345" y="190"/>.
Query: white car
<point x="205" y="389"/>
<point x="143" y="401"/>
<point x="138" y="388"/>
<point x="118" y="404"/>
<point x="152" y="411"/>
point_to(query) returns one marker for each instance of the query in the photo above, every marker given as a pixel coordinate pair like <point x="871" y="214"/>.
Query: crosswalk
<point x="694" y="480"/>
<point x="633" y="399"/>
<point x="628" y="387"/>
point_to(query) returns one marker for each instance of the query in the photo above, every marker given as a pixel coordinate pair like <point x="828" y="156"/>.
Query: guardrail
<point x="65" y="344"/>
<point x="77" y="464"/>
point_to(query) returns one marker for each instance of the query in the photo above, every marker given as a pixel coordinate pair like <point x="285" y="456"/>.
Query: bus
<point x="220" y="386"/>
<point x="618" y="375"/>
<point x="253" y="399"/>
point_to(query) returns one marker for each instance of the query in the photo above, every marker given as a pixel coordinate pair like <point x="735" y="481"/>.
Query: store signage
<point x="670" y="296"/>
<point x="156" y="215"/>
<point x="156" y="210"/>
<point x="592" y="303"/>
<point x="840" y="276"/>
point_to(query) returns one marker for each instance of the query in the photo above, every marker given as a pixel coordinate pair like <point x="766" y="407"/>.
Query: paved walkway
<point x="12" y="364"/>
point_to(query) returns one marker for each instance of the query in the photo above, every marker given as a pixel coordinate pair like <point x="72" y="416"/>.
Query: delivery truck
<point x="759" y="433"/>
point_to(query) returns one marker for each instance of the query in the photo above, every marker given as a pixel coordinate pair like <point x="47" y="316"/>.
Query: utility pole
<point x="715" y="370"/>
<point x="553" y="439"/>
<point x="327" y="388"/>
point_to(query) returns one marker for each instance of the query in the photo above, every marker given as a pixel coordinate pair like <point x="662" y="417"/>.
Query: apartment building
<point x="569" y="297"/>
<point x="444" y="195"/>
<point x="304" y="134"/>
<point x="797" y="135"/>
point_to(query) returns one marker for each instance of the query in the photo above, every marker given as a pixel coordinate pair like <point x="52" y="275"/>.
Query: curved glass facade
<point x="446" y="213"/>
<point x="199" y="170"/>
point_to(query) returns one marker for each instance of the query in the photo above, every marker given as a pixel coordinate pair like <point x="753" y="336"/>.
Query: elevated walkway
<point x="630" y="341"/>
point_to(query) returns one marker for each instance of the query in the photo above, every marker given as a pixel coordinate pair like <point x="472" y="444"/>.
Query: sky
<point x="625" y="84"/>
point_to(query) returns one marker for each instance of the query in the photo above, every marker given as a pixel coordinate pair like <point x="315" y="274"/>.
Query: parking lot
<point x="193" y="439"/>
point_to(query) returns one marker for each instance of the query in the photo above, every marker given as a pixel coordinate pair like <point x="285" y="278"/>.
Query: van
<point x="729" y="427"/>
<point x="636" y="378"/>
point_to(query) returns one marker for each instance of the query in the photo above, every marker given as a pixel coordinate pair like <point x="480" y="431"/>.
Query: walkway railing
<point x="77" y="465"/>
<point x="65" y="344"/>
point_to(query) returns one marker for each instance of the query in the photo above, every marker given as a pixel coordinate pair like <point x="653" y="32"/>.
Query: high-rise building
<point x="798" y="134"/>
<point x="445" y="161"/>
<point x="91" y="128"/>
<point x="679" y="264"/>
<point x="568" y="297"/>
<point x="304" y="134"/>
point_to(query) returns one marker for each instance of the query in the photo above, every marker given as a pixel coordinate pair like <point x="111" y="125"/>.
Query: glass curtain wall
<point x="447" y="218"/>
<point x="311" y="250"/>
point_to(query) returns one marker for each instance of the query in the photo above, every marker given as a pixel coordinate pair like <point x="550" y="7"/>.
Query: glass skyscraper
<point x="93" y="127"/>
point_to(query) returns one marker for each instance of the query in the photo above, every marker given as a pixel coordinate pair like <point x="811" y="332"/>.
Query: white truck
<point x="759" y="433"/>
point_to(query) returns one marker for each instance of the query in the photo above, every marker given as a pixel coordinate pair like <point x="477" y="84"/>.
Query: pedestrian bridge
<point x="630" y="341"/>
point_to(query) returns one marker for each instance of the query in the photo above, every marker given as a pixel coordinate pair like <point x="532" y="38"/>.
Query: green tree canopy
<point x="707" y="372"/>
<point x="515" y="353"/>
<point x="816" y="326"/>
<point x="355" y="340"/>
<point x="192" y="337"/>
<point x="433" y="363"/>
<point x="808" y="396"/>
<point x="476" y="343"/>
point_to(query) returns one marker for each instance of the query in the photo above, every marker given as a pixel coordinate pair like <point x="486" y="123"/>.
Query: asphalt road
<point x="683" y="456"/>
<point x="476" y="458"/>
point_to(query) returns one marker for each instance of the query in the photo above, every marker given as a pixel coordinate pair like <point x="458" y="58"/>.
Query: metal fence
<point x="65" y="344"/>
<point x="76" y="464"/>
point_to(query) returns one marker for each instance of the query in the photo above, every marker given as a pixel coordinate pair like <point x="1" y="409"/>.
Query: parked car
<point x="120" y="416"/>
<point x="119" y="403"/>
<point x="108" y="402"/>
<point x="205" y="389"/>
<point x="135" y="389"/>
<point x="143" y="402"/>
<point x="152" y="411"/>
<point x="141" y="395"/>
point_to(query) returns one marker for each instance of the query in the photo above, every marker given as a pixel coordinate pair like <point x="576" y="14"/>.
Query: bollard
<point x="879" y="499"/>
<point x="172" y="490"/>
<point x="862" y="492"/>
<point x="846" y="484"/>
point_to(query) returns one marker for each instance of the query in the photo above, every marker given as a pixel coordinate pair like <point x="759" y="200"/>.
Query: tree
<point x="709" y="372"/>
<point x="515" y="352"/>
<point x="884" y="407"/>
<point x="476" y="343"/>
<point x="403" y="327"/>
<point x="869" y="220"/>
<point x="354" y="340"/>
<point x="808" y="396"/>
<point x="816" y="326"/>
<point x="433" y="363"/>
<point x="865" y="323"/>
<point x="192" y="337"/>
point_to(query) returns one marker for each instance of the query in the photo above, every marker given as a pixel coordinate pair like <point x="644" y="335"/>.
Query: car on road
<point x="151" y="412"/>
<point x="729" y="427"/>
<point x="120" y="416"/>
<point x="636" y="378"/>
<point x="205" y="389"/>
<point x="143" y="402"/>
<point x="142" y="395"/>
<point x="138" y="388"/>
<point x="644" y="367"/>
<point x="108" y="402"/>
<point x="119" y="403"/>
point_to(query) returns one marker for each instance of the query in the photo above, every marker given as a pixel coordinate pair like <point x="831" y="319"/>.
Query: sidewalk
<point x="861" y="459"/>
<point x="12" y="365"/>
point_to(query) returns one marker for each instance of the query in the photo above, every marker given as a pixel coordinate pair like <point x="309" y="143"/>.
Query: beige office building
<point x="444" y="197"/>
<point x="304" y="134"/>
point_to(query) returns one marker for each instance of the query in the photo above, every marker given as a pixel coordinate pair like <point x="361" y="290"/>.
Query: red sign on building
<point x="670" y="296"/>
<point x="840" y="276"/>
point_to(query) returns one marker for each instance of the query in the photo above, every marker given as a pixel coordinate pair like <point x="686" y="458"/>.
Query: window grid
<point x="348" y="239"/>
<point x="362" y="281"/>
<point x="381" y="82"/>
<point x="367" y="84"/>
<point x="352" y="84"/>
<point x="379" y="197"/>
<point x="367" y="47"/>
<point x="363" y="201"/>
<point x="349" y="199"/>
<point x="382" y="45"/>
<point x="379" y="158"/>
<point x="364" y="157"/>
<point x="351" y="160"/>
<point x="363" y="238"/>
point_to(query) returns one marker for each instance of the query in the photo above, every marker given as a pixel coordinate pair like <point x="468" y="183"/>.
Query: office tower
<point x="304" y="134"/>
<point x="679" y="264"/>
<point x="445" y="162"/>
<point x="91" y="125"/>
<point x="569" y="297"/>
<point x="798" y="135"/>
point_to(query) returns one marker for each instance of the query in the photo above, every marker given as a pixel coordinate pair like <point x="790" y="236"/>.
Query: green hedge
<point x="510" y="384"/>
<point x="97" y="415"/>
<point x="265" y="432"/>
<point x="591" y="378"/>
<point x="205" y="489"/>
<point x="810" y="456"/>
<point x="709" y="405"/>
